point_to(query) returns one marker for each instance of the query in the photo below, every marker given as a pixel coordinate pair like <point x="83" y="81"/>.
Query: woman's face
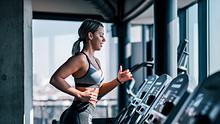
<point x="98" y="39"/>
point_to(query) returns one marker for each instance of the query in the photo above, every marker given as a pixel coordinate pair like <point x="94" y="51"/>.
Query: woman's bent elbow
<point x="52" y="80"/>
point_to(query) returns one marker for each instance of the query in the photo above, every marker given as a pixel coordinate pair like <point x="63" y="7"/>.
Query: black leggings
<point x="78" y="113"/>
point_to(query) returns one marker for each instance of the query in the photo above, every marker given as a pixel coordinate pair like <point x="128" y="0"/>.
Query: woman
<point x="87" y="73"/>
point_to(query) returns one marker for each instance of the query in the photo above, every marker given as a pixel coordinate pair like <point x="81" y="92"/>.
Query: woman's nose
<point x="103" y="39"/>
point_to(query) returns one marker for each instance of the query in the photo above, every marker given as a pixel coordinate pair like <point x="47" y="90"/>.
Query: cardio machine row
<point x="165" y="100"/>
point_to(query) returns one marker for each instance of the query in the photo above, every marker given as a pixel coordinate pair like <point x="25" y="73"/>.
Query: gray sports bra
<point x="92" y="78"/>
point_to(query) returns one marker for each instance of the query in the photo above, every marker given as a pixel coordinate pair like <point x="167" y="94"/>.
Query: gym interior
<point x="170" y="46"/>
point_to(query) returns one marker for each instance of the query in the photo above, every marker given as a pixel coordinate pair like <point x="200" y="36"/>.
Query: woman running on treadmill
<point x="87" y="73"/>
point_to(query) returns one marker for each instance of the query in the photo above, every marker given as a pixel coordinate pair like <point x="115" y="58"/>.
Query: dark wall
<point x="15" y="39"/>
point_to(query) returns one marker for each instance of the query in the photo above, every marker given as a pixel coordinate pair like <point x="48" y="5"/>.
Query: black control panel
<point x="156" y="91"/>
<point x="203" y="105"/>
<point x="144" y="88"/>
<point x="167" y="102"/>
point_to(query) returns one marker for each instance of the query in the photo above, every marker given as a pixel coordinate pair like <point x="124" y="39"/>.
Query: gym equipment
<point x="168" y="101"/>
<point x="182" y="56"/>
<point x="147" y="84"/>
<point x="203" y="105"/>
<point x="132" y="83"/>
<point x="136" y="99"/>
<point x="156" y="91"/>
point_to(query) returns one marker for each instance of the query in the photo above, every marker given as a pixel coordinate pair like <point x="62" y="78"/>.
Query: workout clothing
<point x="78" y="113"/>
<point x="92" y="78"/>
<point x="81" y="112"/>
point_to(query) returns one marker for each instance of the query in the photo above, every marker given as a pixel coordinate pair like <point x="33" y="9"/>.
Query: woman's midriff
<point x="94" y="90"/>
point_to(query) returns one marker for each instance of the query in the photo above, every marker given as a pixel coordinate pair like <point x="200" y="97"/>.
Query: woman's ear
<point x="90" y="35"/>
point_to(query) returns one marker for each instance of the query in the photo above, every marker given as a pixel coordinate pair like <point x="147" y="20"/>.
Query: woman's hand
<point x="124" y="76"/>
<point x="88" y="96"/>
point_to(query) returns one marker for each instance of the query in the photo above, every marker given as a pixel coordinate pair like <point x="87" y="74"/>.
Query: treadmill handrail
<point x="133" y="69"/>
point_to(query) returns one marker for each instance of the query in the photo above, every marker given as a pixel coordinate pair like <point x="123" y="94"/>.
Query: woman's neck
<point x="89" y="52"/>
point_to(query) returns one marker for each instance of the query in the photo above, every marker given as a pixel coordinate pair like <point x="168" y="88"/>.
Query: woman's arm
<point x="107" y="87"/>
<point x="123" y="76"/>
<point x="71" y="66"/>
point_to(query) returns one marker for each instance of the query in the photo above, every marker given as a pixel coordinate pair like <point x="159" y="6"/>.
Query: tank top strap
<point x="98" y="64"/>
<point x="86" y="57"/>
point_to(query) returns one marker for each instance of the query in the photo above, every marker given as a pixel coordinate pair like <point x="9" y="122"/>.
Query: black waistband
<point x="80" y="106"/>
<point x="88" y="85"/>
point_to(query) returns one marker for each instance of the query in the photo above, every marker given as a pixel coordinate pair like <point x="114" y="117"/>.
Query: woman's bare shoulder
<point x="81" y="58"/>
<point x="73" y="64"/>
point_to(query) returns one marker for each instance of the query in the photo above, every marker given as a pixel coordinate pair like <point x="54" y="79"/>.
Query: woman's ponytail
<point x="76" y="47"/>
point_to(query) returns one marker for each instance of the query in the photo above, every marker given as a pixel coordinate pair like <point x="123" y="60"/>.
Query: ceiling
<point x="136" y="11"/>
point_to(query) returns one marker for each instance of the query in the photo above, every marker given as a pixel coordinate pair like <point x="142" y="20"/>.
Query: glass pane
<point x="192" y="36"/>
<point x="214" y="44"/>
<point x="135" y="33"/>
